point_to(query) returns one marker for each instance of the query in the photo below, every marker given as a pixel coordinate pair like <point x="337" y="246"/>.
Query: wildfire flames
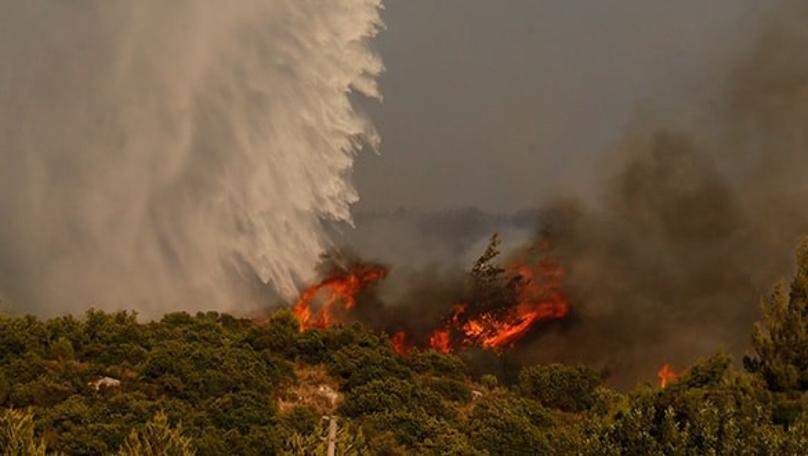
<point x="536" y="297"/>
<point x="539" y="299"/>
<point x="340" y="289"/>
<point x="439" y="340"/>
<point x="666" y="376"/>
<point x="398" y="341"/>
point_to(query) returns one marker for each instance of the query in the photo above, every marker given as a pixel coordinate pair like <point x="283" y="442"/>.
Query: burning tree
<point x="492" y="288"/>
<point x="505" y="303"/>
<point x="501" y="305"/>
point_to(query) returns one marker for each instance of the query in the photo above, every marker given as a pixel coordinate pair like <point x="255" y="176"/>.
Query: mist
<point x="176" y="155"/>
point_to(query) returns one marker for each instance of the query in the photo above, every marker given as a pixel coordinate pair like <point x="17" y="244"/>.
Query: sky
<point x="502" y="105"/>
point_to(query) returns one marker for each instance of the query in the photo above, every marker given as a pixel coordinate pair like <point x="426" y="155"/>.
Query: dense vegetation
<point x="213" y="384"/>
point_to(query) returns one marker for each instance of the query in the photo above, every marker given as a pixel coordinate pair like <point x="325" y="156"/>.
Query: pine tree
<point x="157" y="439"/>
<point x="17" y="434"/>
<point x="780" y="339"/>
<point x="492" y="288"/>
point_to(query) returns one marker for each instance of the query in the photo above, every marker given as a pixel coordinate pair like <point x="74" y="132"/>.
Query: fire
<point x="539" y="299"/>
<point x="666" y="376"/>
<point x="503" y="308"/>
<point x="341" y="288"/>
<point x="439" y="341"/>
<point x="398" y="342"/>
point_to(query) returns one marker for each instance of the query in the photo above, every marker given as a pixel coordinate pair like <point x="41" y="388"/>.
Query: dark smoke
<point x="694" y="225"/>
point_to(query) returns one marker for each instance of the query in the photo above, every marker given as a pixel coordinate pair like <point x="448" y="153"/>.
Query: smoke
<point x="697" y="218"/>
<point x="696" y="223"/>
<point x="183" y="154"/>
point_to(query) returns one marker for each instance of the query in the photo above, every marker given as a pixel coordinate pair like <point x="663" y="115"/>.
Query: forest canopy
<point x="211" y="383"/>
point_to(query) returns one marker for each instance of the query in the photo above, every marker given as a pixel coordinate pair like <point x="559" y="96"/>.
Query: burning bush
<point x="500" y="305"/>
<point x="505" y="303"/>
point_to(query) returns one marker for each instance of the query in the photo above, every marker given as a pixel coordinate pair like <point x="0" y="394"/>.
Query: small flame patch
<point x="341" y="288"/>
<point x="666" y="376"/>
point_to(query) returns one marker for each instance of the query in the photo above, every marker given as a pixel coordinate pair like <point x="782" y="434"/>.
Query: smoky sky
<point x="501" y="105"/>
<point x="673" y="227"/>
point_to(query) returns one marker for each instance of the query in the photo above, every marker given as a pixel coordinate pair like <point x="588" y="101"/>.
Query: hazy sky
<point x="501" y="104"/>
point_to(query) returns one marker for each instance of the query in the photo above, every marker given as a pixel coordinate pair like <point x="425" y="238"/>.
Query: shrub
<point x="509" y="426"/>
<point x="567" y="388"/>
<point x="450" y="389"/>
<point x="358" y="365"/>
<point x="391" y="395"/>
<point x="279" y="335"/>
<point x="435" y="363"/>
<point x="489" y="381"/>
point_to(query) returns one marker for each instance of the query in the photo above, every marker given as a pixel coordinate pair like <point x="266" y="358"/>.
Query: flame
<point x="342" y="287"/>
<point x="666" y="376"/>
<point x="539" y="299"/>
<point x="439" y="341"/>
<point x="398" y="342"/>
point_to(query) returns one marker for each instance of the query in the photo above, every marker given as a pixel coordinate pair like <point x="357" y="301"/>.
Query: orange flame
<point x="539" y="299"/>
<point x="398" y="342"/>
<point x="439" y="341"/>
<point x="666" y="376"/>
<point x="342" y="287"/>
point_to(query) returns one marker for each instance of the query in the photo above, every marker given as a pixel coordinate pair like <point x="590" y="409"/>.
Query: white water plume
<point x="170" y="155"/>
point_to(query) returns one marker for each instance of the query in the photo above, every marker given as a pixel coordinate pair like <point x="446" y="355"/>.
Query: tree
<point x="491" y="287"/>
<point x="567" y="388"/>
<point x="350" y="442"/>
<point x="437" y="363"/>
<point x="509" y="426"/>
<point x="157" y="439"/>
<point x="17" y="434"/>
<point x="780" y="339"/>
<point x="279" y="334"/>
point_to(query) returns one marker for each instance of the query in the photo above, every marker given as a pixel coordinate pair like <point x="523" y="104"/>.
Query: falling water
<point x="174" y="155"/>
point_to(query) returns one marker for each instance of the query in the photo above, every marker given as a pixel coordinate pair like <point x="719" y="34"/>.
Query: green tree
<point x="350" y="442"/>
<point x="62" y="349"/>
<point x="157" y="438"/>
<point x="489" y="381"/>
<point x="391" y="395"/>
<point x="436" y="363"/>
<point x="780" y="339"/>
<point x="279" y="334"/>
<point x="17" y="434"/>
<point x="567" y="388"/>
<point x="509" y="426"/>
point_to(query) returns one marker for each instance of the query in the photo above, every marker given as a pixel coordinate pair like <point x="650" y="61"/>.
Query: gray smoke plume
<point x="698" y="217"/>
<point x="162" y="155"/>
<point x="696" y="223"/>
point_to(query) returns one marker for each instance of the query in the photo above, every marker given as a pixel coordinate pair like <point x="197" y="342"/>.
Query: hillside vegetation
<point x="212" y="384"/>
